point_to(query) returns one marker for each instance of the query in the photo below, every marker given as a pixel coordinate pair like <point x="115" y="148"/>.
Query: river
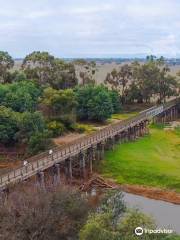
<point x="167" y="215"/>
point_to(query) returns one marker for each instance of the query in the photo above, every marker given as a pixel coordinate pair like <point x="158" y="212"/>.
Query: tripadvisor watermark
<point x="140" y="231"/>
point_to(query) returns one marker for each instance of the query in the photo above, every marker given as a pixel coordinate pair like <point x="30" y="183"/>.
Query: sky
<point x="93" y="28"/>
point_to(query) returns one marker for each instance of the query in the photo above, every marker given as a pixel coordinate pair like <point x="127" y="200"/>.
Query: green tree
<point x="63" y="75"/>
<point x="113" y="220"/>
<point x="39" y="141"/>
<point x="94" y="103"/>
<point x="119" y="79"/>
<point x="9" y="125"/>
<point x="30" y="123"/>
<point x="20" y="96"/>
<point x="116" y="101"/>
<point x="49" y="71"/>
<point x="59" y="103"/>
<point x="6" y="63"/>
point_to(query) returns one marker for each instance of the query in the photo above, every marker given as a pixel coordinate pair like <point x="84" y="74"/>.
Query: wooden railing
<point x="44" y="160"/>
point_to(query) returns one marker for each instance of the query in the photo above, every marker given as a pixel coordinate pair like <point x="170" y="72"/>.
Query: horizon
<point x="96" y="29"/>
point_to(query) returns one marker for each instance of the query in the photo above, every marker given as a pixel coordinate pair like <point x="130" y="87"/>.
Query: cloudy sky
<point x="90" y="28"/>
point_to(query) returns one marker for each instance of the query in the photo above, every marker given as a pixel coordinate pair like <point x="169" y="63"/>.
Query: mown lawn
<point x="150" y="161"/>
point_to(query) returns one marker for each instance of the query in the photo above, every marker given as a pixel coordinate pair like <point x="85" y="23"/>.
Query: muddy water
<point x="167" y="215"/>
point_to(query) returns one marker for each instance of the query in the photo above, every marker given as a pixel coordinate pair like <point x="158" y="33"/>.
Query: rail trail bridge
<point x="77" y="158"/>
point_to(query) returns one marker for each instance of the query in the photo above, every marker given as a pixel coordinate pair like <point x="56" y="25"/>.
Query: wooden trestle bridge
<point x="78" y="157"/>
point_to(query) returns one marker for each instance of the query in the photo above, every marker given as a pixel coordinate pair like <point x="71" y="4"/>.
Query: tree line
<point x="144" y="82"/>
<point x="43" y="99"/>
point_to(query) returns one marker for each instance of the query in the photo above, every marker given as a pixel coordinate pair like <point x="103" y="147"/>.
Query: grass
<point x="123" y="116"/>
<point x="150" y="161"/>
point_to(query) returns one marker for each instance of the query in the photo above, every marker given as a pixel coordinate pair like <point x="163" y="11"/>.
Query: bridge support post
<point x="4" y="195"/>
<point x="110" y="143"/>
<point x="56" y="176"/>
<point x="82" y="163"/>
<point x="68" y="170"/>
<point x="41" y="180"/>
<point x="147" y="127"/>
<point x="102" y="150"/>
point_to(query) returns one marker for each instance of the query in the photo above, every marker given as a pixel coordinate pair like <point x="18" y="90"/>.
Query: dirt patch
<point x="153" y="193"/>
<point x="149" y="192"/>
<point x="68" y="138"/>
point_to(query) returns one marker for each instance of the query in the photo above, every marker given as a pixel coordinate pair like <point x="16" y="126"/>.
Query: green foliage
<point x="131" y="220"/>
<point x="30" y="123"/>
<point x="102" y="224"/>
<point x="39" y="141"/>
<point x="59" y="102"/>
<point x="49" y="71"/>
<point x="8" y="125"/>
<point x="19" y="76"/>
<point x="80" y="128"/>
<point x="20" y="96"/>
<point x="140" y="82"/>
<point x="94" y="103"/>
<point x="113" y="221"/>
<point x="57" y="128"/>
<point x="6" y="63"/>
<point x="23" y="127"/>
<point x="116" y="101"/>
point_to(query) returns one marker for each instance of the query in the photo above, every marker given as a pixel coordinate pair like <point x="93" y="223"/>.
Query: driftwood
<point x="95" y="182"/>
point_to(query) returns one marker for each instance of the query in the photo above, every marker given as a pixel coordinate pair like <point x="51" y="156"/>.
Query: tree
<point x="29" y="124"/>
<point x="9" y="125"/>
<point x="94" y="103"/>
<point x="113" y="221"/>
<point x="166" y="85"/>
<point x="119" y="79"/>
<point x="86" y="71"/>
<point x="20" y="96"/>
<point x="49" y="71"/>
<point x="38" y="66"/>
<point x="6" y="63"/>
<point x="39" y="142"/>
<point x="63" y="75"/>
<point x="58" y="213"/>
<point x="59" y="103"/>
<point x="116" y="101"/>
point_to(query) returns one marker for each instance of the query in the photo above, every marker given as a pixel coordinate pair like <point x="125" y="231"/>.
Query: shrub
<point x="39" y="141"/>
<point x="79" y="128"/>
<point x="57" y="128"/>
<point x="9" y="125"/>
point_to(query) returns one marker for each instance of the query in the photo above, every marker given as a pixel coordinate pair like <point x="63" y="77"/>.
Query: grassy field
<point x="150" y="161"/>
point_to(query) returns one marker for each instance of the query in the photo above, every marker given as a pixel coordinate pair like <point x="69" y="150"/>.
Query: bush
<point x="20" y="96"/>
<point x="67" y="119"/>
<point x="94" y="103"/>
<point x="39" y="142"/>
<point x="9" y="125"/>
<point x="57" y="128"/>
<point x="79" y="128"/>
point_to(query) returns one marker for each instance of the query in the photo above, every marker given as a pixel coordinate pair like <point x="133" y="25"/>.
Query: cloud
<point x="89" y="28"/>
